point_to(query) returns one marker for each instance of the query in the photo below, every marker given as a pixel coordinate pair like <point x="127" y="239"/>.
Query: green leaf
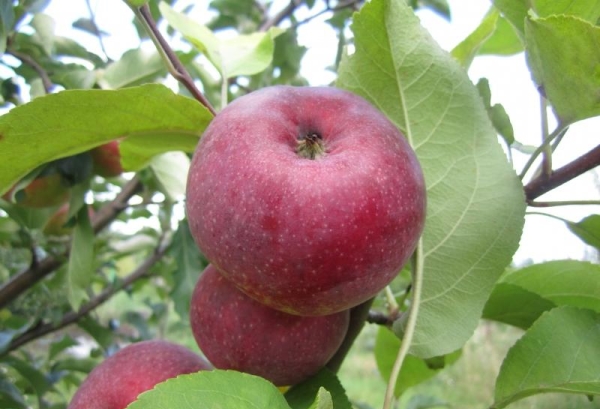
<point x="7" y="20"/>
<point x="301" y="396"/>
<point x="74" y="121"/>
<point x="559" y="353"/>
<point x="59" y="346"/>
<point x="102" y="335"/>
<point x="504" y="41"/>
<point x="404" y="73"/>
<point x="210" y="390"/>
<point x="497" y="114"/>
<point x="7" y="335"/>
<point x="414" y="370"/>
<point x="563" y="58"/>
<point x="563" y="282"/>
<point x="189" y="265"/>
<point x="467" y="49"/>
<point x="242" y="55"/>
<point x="134" y="68"/>
<point x="588" y="10"/>
<point x="323" y="400"/>
<point x="38" y="381"/>
<point x="587" y="230"/>
<point x="81" y="260"/>
<point x="514" y="11"/>
<point x="514" y="305"/>
<point x="11" y="395"/>
<point x="171" y="169"/>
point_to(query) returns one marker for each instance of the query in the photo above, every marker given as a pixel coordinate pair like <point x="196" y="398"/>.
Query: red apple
<point x="56" y="224"/>
<point x="118" y="381"/>
<point x="107" y="159"/>
<point x="44" y="191"/>
<point x="236" y="332"/>
<point x="308" y="199"/>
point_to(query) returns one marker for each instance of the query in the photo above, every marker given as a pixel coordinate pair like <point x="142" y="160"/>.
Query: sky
<point x="543" y="238"/>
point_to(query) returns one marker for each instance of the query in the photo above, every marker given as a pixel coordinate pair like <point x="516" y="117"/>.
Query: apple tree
<point x="97" y="255"/>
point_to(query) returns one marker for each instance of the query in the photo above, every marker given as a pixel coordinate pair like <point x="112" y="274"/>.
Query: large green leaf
<point x="210" y="390"/>
<point x="564" y="59"/>
<point x="69" y="122"/>
<point x="563" y="282"/>
<point x="402" y="71"/>
<point x="514" y="305"/>
<point x="245" y="54"/>
<point x="414" y="370"/>
<point x="559" y="353"/>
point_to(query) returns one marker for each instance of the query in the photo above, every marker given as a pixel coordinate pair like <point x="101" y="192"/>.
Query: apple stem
<point x="310" y="146"/>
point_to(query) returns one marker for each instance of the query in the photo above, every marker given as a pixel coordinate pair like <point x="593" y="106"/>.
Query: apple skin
<point x="119" y="379"/>
<point x="236" y="332"/>
<point x="107" y="159"/>
<point x="309" y="237"/>
<point x="44" y="191"/>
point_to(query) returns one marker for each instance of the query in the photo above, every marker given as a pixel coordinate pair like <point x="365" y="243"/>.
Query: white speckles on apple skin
<point x="309" y="237"/>
<point x="119" y="379"/>
<point x="236" y="332"/>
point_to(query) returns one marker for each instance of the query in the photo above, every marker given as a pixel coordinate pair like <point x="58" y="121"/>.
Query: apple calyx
<point x="310" y="146"/>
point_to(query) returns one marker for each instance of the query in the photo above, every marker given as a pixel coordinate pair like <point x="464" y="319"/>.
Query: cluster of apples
<point x="307" y="201"/>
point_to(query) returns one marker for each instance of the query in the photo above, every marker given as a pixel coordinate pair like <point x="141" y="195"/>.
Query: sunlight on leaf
<point x="400" y="69"/>
<point x="559" y="353"/>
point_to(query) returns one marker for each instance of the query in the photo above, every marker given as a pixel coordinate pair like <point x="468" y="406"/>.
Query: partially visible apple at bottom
<point x="118" y="380"/>
<point x="236" y="332"/>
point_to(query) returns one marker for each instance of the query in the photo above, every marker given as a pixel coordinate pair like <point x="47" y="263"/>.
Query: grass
<point x="467" y="384"/>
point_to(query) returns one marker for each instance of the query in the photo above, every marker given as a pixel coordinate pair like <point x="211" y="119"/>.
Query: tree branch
<point x="543" y="184"/>
<point x="20" y="282"/>
<point x="174" y="65"/>
<point x="27" y="60"/>
<point x="97" y="32"/>
<point x="72" y="317"/>
<point x="282" y="15"/>
<point x="358" y="316"/>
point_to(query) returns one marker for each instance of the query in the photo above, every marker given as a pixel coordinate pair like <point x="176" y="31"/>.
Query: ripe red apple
<point x="236" y="332"/>
<point x="308" y="199"/>
<point x="44" y="191"/>
<point x="107" y="159"/>
<point x="118" y="381"/>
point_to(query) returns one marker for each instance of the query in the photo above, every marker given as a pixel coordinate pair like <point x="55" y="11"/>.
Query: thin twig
<point x="27" y="60"/>
<point x="72" y="317"/>
<point x="23" y="280"/>
<point x="96" y="30"/>
<point x="350" y="3"/>
<point x="282" y="15"/>
<point x="558" y="133"/>
<point x="547" y="152"/>
<point x="543" y="184"/>
<point x="174" y="65"/>
<point x="564" y="203"/>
